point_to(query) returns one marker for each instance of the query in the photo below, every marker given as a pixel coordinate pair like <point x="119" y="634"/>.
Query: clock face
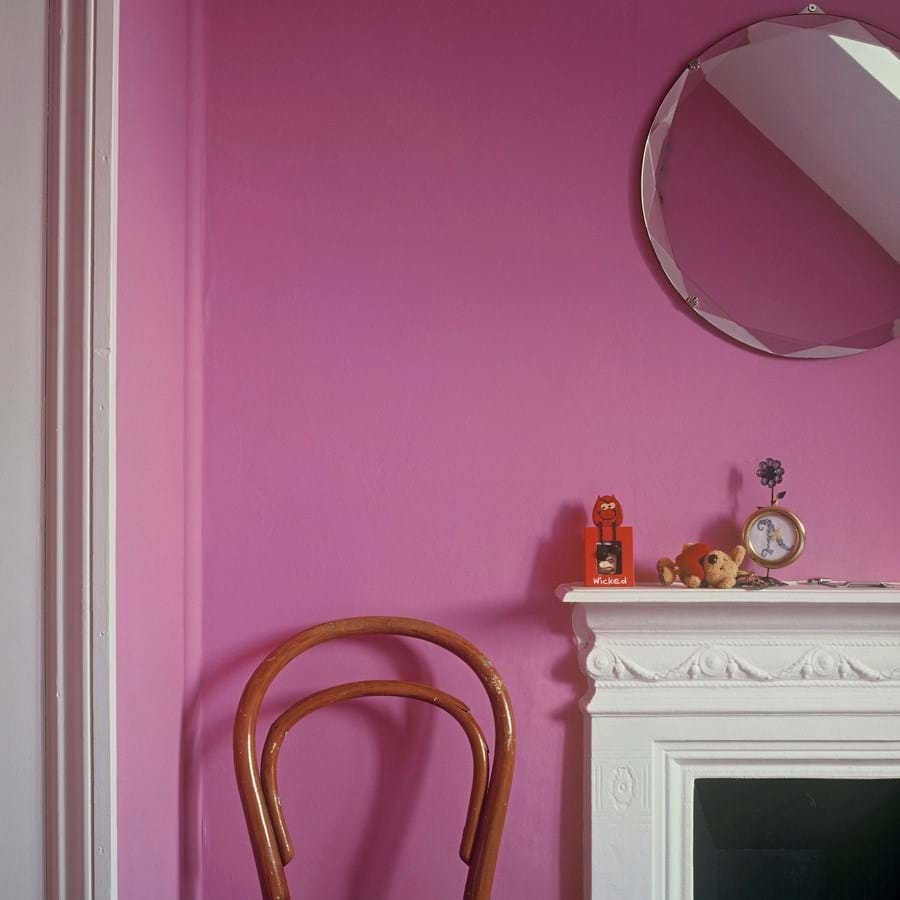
<point x="773" y="537"/>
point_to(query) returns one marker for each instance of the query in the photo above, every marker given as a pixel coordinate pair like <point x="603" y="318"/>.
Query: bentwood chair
<point x="258" y="785"/>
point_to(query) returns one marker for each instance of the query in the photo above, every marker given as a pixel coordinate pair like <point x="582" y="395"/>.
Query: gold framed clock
<point x="773" y="536"/>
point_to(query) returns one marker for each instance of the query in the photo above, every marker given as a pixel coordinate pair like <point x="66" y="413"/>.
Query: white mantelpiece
<point x="789" y="682"/>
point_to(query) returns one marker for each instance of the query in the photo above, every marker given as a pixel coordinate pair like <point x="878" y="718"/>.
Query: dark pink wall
<point x="151" y="377"/>
<point x="433" y="330"/>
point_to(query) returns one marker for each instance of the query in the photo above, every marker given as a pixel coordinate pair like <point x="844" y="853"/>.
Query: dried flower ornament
<point x="770" y="472"/>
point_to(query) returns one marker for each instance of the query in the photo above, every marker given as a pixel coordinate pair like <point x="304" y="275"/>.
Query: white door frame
<point x="80" y="450"/>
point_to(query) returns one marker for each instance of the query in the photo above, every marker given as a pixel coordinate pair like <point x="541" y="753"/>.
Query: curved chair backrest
<point x="258" y="784"/>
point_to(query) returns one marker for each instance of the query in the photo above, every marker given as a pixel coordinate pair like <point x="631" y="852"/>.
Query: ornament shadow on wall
<point x="724" y="530"/>
<point x="557" y="559"/>
<point x="396" y="741"/>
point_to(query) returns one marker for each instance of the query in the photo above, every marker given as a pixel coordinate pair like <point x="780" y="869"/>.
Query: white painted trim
<point x="80" y="450"/>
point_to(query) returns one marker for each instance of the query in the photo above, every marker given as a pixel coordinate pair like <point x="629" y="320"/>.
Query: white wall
<point x="23" y="38"/>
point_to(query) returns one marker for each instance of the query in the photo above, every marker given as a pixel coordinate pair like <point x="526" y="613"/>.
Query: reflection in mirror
<point x="771" y="186"/>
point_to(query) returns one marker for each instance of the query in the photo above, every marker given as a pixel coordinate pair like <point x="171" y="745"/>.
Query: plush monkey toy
<point x="699" y="566"/>
<point x="688" y="566"/>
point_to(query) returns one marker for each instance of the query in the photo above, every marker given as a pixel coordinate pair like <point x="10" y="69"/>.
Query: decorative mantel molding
<point x="789" y="682"/>
<point x="799" y="637"/>
<point x="716" y="663"/>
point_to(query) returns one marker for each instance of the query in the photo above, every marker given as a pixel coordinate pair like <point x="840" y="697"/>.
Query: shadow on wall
<point x="557" y="560"/>
<point x="375" y="862"/>
<point x="193" y="739"/>
<point x="723" y="532"/>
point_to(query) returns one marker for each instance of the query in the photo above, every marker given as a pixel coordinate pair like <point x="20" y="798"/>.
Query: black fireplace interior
<point x="796" y="839"/>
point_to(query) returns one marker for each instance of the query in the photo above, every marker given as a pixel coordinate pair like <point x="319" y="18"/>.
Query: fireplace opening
<point x="796" y="839"/>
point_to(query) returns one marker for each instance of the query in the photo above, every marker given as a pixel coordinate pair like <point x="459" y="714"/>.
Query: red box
<point x="609" y="562"/>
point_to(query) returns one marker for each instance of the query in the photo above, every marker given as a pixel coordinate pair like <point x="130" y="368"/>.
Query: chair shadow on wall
<point x="374" y="863"/>
<point x="194" y="738"/>
<point x="557" y="560"/>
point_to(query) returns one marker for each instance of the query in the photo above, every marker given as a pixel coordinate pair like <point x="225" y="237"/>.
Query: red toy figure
<point x="609" y="547"/>
<point x="607" y="512"/>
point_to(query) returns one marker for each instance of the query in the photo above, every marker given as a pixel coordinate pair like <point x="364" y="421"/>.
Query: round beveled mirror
<point x="771" y="185"/>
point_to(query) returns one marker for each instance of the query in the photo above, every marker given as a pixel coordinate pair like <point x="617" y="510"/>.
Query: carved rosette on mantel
<point x="802" y="681"/>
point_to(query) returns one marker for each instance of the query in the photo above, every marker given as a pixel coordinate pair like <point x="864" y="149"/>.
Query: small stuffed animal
<point x="721" y="570"/>
<point x="688" y="566"/>
<point x="699" y="566"/>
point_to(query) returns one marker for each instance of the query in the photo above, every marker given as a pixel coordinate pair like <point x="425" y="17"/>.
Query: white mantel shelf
<point x="800" y="681"/>
<point x="794" y="593"/>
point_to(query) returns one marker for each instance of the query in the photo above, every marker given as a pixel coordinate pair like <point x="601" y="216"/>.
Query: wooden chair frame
<point x="258" y="784"/>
